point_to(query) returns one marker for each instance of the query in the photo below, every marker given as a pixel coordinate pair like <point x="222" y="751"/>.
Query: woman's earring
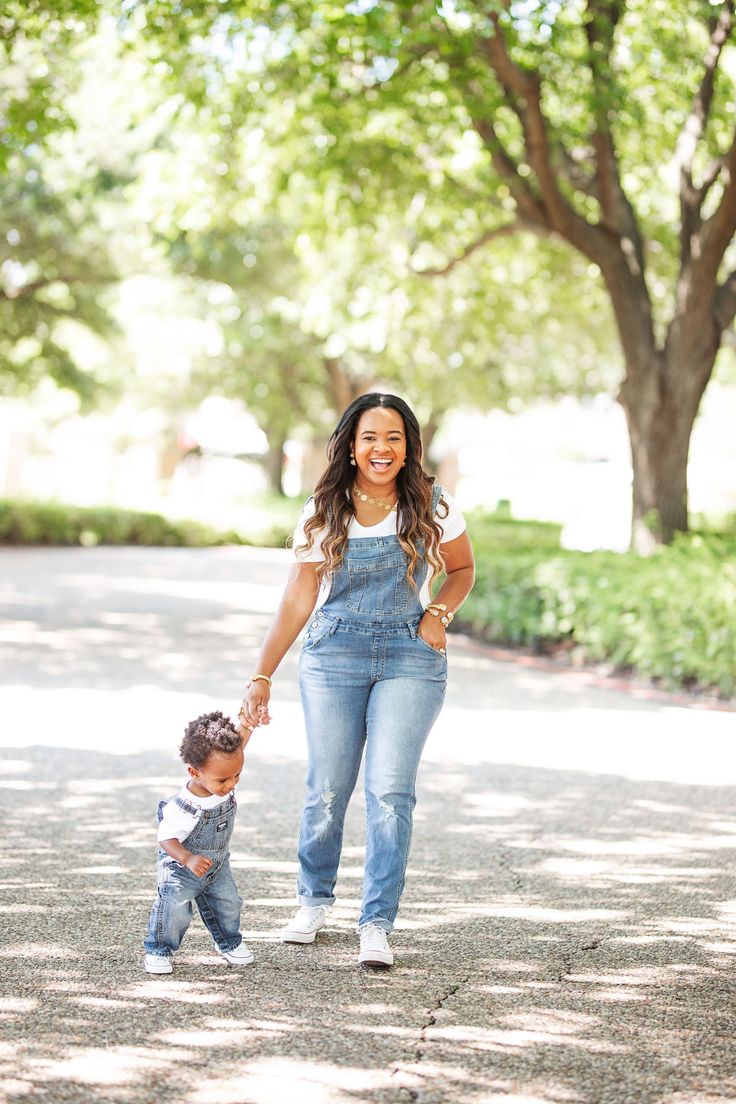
<point x="352" y="458"/>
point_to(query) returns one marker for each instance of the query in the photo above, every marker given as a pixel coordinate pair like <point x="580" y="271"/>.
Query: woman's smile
<point x="379" y="448"/>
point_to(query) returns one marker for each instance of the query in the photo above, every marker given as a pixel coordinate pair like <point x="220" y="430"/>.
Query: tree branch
<point x="718" y="230"/>
<point x="27" y="290"/>
<point x="602" y="19"/>
<point x="695" y="123"/>
<point x="525" y="198"/>
<point x="724" y="306"/>
<point x="691" y="197"/>
<point x="523" y="89"/>
<point x="574" y="172"/>
<point x="490" y="235"/>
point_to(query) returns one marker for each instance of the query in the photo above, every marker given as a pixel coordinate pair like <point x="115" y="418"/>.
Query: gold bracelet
<point x="439" y="609"/>
<point x="263" y="678"/>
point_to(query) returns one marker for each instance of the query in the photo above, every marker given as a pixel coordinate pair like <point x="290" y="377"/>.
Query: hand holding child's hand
<point x="254" y="710"/>
<point x="198" y="864"/>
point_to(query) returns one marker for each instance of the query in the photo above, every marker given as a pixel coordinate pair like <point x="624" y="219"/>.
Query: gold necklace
<point x="376" y="501"/>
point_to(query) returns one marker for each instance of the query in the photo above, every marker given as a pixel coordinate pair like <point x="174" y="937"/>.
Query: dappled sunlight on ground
<point x="558" y="928"/>
<point x="568" y="932"/>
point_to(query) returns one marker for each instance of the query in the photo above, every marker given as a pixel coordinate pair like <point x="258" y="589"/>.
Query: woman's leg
<point x="334" y="712"/>
<point x="401" y="712"/>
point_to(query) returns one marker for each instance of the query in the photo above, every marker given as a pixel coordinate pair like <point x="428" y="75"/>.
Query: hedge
<point x="670" y="617"/>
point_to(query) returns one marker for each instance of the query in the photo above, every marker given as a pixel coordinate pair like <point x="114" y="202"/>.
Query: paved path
<point x="568" y="932"/>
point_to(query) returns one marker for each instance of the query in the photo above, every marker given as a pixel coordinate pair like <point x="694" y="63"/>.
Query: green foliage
<point x="36" y="72"/>
<point x="53" y="264"/>
<point x="670" y="617"/>
<point x="56" y="523"/>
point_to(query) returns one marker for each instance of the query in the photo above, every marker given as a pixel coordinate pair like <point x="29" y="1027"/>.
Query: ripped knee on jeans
<point x="328" y="798"/>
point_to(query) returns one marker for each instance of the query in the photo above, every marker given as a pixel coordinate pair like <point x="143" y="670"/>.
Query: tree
<point x="35" y="74"/>
<point x="53" y="265"/>
<point x="605" y="124"/>
<point x="55" y="258"/>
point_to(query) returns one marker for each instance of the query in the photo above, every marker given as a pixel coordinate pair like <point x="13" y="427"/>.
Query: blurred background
<point x="222" y="220"/>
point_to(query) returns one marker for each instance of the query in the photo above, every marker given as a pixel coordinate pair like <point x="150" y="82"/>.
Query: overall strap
<point x="436" y="496"/>
<point x="186" y="806"/>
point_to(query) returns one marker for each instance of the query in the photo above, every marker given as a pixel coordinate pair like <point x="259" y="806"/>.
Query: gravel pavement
<point x="568" y="930"/>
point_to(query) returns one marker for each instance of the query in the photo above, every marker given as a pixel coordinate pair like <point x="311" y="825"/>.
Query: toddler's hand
<point x="198" y="864"/>
<point x="254" y="710"/>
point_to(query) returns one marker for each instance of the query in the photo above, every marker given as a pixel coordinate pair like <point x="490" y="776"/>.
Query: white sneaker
<point x="374" y="948"/>
<point x="305" y="925"/>
<point x="241" y="956"/>
<point x="157" y="964"/>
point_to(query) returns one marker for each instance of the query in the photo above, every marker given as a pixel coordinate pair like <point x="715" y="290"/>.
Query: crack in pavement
<point x="504" y="861"/>
<point x="564" y="971"/>
<point x="430" y="1021"/>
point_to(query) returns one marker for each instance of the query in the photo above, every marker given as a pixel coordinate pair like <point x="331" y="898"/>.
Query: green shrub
<point x="670" y="617"/>
<point x="55" y="523"/>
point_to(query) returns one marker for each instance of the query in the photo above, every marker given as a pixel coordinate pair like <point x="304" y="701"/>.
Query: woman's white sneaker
<point x="305" y="925"/>
<point x="374" y="948"/>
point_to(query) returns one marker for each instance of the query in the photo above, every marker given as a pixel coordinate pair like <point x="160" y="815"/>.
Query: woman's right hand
<point x="254" y="710"/>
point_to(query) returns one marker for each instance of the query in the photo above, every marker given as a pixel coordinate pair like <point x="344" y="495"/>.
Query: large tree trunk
<point x="273" y="462"/>
<point x="341" y="387"/>
<point x="660" y="406"/>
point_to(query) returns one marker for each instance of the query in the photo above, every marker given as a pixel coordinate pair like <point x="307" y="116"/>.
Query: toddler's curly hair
<point x="210" y="732"/>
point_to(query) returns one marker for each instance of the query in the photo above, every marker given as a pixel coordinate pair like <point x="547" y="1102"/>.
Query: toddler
<point x="194" y="831"/>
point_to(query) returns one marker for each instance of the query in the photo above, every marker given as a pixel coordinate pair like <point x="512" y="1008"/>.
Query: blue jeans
<point x="216" y="896"/>
<point x="373" y="686"/>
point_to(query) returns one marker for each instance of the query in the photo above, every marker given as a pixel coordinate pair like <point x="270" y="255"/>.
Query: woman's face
<point x="379" y="446"/>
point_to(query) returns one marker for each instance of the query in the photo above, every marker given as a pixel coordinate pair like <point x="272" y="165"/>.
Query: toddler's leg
<point x="219" y="906"/>
<point x="172" y="911"/>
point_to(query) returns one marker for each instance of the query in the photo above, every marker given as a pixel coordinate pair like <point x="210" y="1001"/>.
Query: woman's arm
<point x="457" y="556"/>
<point x="298" y="601"/>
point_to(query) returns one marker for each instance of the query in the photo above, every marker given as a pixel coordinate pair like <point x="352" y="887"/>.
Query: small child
<point x="194" y="831"/>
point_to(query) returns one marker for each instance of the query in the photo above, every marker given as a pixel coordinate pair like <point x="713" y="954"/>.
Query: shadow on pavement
<point x="564" y="937"/>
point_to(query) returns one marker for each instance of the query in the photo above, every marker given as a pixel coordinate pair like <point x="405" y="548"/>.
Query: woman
<point x="373" y="668"/>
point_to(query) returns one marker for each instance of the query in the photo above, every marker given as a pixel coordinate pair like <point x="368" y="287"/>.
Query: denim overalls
<point x="215" y="892"/>
<point x="366" y="679"/>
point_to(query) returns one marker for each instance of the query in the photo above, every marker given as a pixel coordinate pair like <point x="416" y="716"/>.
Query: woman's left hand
<point x="432" y="632"/>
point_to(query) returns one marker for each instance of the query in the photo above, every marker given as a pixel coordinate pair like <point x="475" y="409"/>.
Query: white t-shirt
<point x="177" y="823"/>
<point x="451" y="527"/>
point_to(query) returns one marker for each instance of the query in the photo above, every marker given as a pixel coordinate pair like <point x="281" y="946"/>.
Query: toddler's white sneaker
<point x="241" y="956"/>
<point x="157" y="964"/>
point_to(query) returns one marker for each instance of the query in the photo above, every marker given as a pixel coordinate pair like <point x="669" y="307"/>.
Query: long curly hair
<point x="418" y="532"/>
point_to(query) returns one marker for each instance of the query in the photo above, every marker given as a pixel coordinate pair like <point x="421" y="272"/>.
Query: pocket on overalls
<point x="414" y="631"/>
<point x="406" y="594"/>
<point x="320" y="628"/>
<point x="357" y="582"/>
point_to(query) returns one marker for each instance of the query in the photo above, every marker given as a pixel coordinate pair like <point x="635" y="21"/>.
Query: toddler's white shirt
<point x="177" y="823"/>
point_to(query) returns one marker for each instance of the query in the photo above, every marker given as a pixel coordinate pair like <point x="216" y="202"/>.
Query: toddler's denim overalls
<point x="215" y="893"/>
<point x="366" y="679"/>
